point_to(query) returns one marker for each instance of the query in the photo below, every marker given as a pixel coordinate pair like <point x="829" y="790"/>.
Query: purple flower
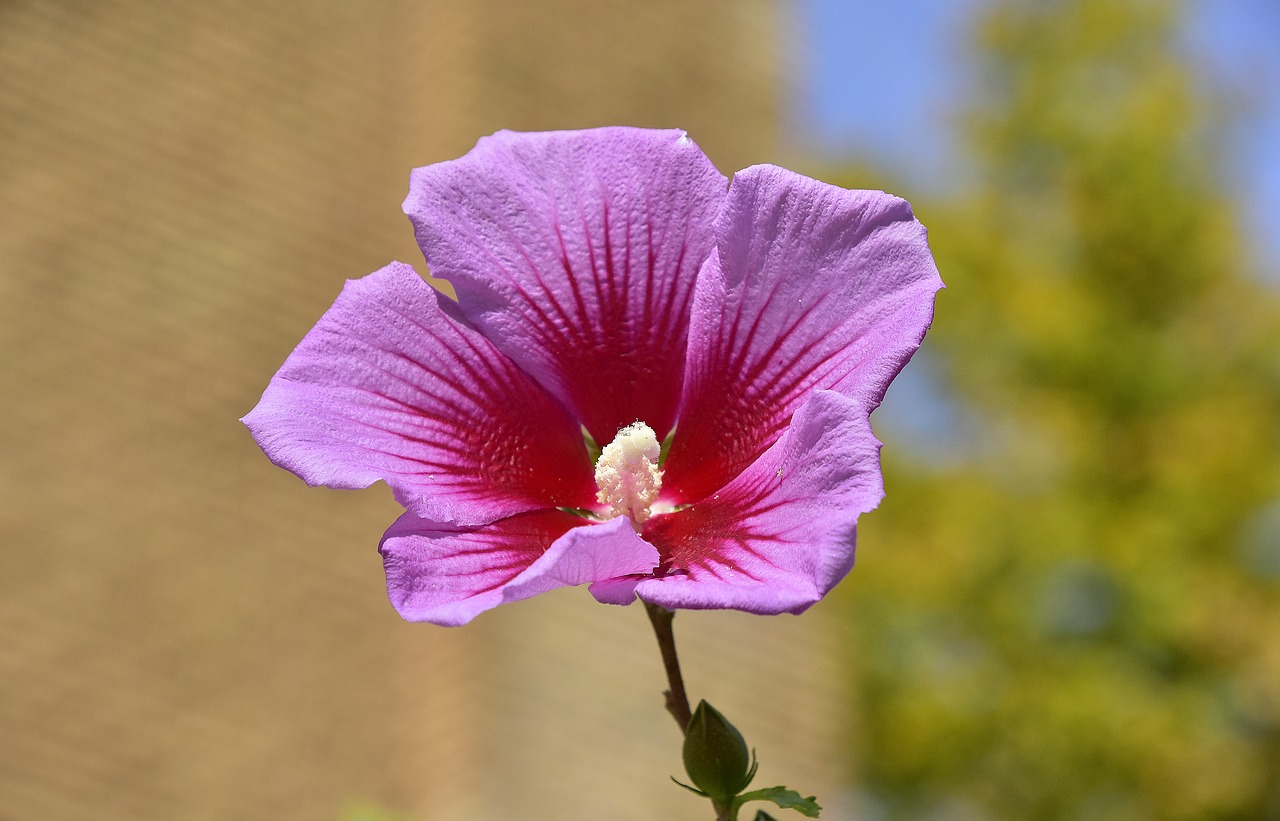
<point x="613" y="288"/>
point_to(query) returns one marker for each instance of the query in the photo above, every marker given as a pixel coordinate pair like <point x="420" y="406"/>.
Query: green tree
<point x="1079" y="618"/>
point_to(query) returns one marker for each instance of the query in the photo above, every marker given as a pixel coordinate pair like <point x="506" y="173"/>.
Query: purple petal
<point x="810" y="287"/>
<point x="781" y="534"/>
<point x="621" y="590"/>
<point x="390" y="385"/>
<point x="595" y="553"/>
<point x="449" y="575"/>
<point x="576" y="252"/>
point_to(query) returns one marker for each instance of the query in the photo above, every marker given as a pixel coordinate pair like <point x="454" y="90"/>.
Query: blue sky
<point x="883" y="80"/>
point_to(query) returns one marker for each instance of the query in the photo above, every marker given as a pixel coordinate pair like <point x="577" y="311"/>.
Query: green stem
<point x="677" y="699"/>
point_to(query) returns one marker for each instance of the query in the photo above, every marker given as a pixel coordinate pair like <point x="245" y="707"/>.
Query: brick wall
<point x="188" y="632"/>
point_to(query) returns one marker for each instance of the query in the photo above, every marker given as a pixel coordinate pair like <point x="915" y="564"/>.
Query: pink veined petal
<point x="595" y="553"/>
<point x="576" y="253"/>
<point x="780" y="535"/>
<point x="810" y="287"/>
<point x="447" y="576"/>
<point x="620" y="590"/>
<point x="390" y="384"/>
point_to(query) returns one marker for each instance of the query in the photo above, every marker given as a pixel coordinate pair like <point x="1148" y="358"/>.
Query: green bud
<point x="715" y="755"/>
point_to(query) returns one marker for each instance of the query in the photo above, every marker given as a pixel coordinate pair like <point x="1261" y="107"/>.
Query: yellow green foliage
<point x="1079" y="616"/>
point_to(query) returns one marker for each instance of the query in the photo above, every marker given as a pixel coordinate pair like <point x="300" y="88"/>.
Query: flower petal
<point x="576" y="252"/>
<point x="810" y="287"/>
<point x="449" y="575"/>
<point x="781" y="534"/>
<point x="620" y="590"/>
<point x="593" y="553"/>
<point x="390" y="384"/>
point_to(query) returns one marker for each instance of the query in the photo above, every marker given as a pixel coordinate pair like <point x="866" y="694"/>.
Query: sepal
<point x="715" y="754"/>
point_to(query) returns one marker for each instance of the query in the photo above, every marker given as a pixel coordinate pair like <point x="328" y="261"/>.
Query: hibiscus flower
<point x="653" y="380"/>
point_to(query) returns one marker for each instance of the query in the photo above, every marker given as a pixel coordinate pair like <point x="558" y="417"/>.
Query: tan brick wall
<point x="187" y="632"/>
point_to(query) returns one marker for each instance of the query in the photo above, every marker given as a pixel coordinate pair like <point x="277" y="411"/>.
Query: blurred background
<point x="1067" y="608"/>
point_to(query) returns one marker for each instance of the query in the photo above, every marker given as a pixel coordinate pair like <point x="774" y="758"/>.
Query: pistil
<point x="627" y="474"/>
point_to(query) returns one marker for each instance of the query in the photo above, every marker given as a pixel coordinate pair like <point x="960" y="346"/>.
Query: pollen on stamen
<point x="627" y="473"/>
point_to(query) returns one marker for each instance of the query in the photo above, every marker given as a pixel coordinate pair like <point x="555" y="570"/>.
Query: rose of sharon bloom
<point x="654" y="380"/>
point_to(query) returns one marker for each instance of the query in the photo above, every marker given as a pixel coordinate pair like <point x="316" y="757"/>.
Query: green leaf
<point x="785" y="798"/>
<point x="761" y="815"/>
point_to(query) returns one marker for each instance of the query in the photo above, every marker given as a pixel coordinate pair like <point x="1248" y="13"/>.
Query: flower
<point x="615" y="296"/>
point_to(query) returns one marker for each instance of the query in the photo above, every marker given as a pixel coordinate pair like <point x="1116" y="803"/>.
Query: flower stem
<point x="677" y="700"/>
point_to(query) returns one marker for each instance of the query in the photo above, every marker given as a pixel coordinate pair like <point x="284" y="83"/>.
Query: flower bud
<point x="715" y="755"/>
